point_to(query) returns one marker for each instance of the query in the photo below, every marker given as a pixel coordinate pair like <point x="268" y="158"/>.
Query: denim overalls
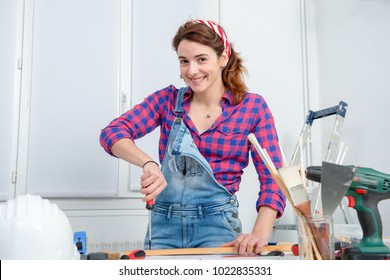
<point x="194" y="210"/>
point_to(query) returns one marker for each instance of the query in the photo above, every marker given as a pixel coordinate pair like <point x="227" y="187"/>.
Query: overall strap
<point x="179" y="102"/>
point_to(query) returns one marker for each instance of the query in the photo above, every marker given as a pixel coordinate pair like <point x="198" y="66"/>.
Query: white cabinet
<point x="9" y="82"/>
<point x="69" y="90"/>
<point x="84" y="63"/>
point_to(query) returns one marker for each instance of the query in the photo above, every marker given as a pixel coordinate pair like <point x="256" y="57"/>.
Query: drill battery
<point x="354" y="253"/>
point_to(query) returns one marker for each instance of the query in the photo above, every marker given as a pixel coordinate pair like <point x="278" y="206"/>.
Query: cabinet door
<point x="9" y="78"/>
<point x="70" y="91"/>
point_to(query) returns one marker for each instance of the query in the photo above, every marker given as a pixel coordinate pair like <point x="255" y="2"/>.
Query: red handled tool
<point x="295" y="249"/>
<point x="134" y="255"/>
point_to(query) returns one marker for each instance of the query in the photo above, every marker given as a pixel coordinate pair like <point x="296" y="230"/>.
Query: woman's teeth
<point x="197" y="80"/>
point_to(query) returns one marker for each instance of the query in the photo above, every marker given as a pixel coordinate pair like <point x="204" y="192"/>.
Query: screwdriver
<point x="149" y="207"/>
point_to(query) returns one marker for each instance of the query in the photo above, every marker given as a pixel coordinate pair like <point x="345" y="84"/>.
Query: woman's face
<point x="200" y="66"/>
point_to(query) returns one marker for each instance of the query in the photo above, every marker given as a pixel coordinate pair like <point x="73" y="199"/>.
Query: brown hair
<point x="233" y="73"/>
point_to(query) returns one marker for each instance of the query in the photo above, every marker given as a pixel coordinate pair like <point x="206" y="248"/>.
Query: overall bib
<point x="194" y="210"/>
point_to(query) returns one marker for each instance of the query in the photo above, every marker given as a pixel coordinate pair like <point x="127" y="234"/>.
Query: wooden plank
<point x="210" y="251"/>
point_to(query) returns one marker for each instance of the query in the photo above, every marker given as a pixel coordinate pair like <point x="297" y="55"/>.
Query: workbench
<point x="269" y="252"/>
<point x="287" y="256"/>
<point x="275" y="252"/>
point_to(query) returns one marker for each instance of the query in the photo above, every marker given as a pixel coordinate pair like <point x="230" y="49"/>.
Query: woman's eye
<point x="183" y="61"/>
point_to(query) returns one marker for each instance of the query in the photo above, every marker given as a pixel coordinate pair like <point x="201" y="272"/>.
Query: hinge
<point x="14" y="177"/>
<point x="124" y="97"/>
<point x="20" y="63"/>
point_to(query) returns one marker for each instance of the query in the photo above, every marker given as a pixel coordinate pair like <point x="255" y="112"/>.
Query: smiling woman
<point x="201" y="68"/>
<point x="210" y="35"/>
<point x="203" y="148"/>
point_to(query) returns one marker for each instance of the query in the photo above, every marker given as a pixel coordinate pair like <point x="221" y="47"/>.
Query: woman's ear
<point x="224" y="59"/>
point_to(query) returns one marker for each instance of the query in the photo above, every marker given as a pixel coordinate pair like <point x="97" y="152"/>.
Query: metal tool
<point x="335" y="181"/>
<point x="367" y="189"/>
<point x="339" y="110"/>
<point x="297" y="157"/>
<point x="334" y="144"/>
<point x="149" y="207"/>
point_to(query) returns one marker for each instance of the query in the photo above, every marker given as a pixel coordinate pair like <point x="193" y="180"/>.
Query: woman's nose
<point x="192" y="69"/>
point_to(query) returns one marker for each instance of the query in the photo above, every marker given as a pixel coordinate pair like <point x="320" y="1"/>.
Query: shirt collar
<point x="227" y="96"/>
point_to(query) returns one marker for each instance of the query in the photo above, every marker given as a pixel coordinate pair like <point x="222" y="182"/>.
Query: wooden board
<point x="209" y="251"/>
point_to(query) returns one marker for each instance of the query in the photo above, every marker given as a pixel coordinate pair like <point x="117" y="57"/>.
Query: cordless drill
<point x="367" y="189"/>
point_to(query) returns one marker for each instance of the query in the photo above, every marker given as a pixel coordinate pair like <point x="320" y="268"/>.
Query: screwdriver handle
<point x="150" y="204"/>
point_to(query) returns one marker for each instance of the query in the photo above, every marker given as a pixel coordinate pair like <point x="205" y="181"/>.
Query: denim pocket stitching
<point x="228" y="224"/>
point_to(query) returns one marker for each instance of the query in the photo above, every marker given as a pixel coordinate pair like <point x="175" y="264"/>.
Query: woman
<point x="203" y="147"/>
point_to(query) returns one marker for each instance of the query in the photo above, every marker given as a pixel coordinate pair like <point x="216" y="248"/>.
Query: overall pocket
<point x="232" y="220"/>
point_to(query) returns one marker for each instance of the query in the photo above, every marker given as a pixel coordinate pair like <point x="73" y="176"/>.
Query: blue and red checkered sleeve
<point x="142" y="119"/>
<point x="265" y="131"/>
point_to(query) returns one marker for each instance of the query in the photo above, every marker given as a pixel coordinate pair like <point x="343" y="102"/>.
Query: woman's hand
<point x="250" y="244"/>
<point x="247" y="244"/>
<point x="152" y="181"/>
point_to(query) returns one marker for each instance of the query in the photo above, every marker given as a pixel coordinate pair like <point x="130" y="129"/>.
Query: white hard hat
<point x="34" y="228"/>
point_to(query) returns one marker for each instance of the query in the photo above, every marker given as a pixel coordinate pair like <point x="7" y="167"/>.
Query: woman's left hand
<point x="247" y="244"/>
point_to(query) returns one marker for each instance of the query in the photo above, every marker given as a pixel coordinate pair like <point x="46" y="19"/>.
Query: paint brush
<point x="296" y="188"/>
<point x="293" y="181"/>
<point x="269" y="164"/>
<point x="292" y="188"/>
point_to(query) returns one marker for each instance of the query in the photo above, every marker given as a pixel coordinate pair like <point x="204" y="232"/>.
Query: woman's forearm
<point x="126" y="149"/>
<point x="264" y="222"/>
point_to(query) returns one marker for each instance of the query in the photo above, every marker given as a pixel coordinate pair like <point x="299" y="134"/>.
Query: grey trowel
<point x="335" y="180"/>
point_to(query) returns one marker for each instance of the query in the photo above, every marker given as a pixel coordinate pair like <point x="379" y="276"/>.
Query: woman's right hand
<point x="152" y="181"/>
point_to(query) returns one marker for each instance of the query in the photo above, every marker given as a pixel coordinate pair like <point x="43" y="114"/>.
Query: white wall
<point x="353" y="43"/>
<point x="268" y="35"/>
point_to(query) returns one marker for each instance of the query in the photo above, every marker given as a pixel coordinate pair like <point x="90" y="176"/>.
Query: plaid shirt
<point x="224" y="144"/>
